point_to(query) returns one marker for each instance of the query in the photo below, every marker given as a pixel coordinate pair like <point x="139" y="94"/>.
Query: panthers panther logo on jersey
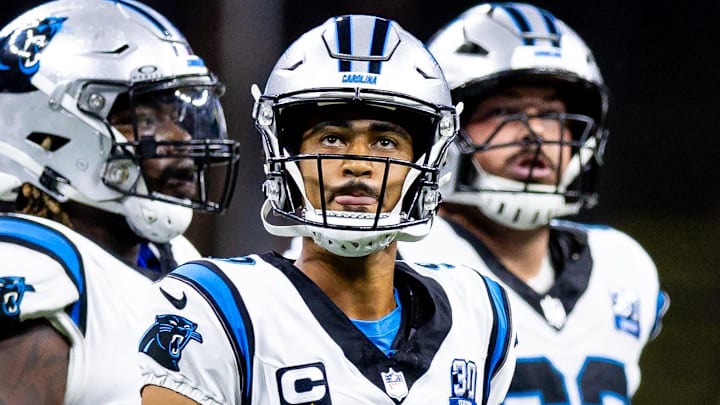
<point x="20" y="53"/>
<point x="12" y="290"/>
<point x="166" y="339"/>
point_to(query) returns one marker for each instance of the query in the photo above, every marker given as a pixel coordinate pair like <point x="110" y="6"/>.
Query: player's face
<point x="350" y="184"/>
<point x="170" y="176"/>
<point x="535" y="155"/>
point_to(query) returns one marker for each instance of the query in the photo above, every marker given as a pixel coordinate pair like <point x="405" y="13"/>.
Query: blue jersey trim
<point x="49" y="241"/>
<point x="662" y="305"/>
<point x="225" y="300"/>
<point x="500" y="338"/>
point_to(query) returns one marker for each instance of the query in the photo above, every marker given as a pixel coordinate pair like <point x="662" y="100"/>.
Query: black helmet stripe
<point x="380" y="34"/>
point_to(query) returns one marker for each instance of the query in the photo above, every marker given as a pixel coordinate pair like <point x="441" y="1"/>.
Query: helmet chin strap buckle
<point x="273" y="189"/>
<point x="430" y="199"/>
<point x="50" y="179"/>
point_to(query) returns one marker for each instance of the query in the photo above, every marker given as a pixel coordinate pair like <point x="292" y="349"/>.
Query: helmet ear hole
<point x="49" y="142"/>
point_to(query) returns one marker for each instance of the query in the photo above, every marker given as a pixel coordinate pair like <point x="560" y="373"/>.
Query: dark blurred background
<point x="660" y="62"/>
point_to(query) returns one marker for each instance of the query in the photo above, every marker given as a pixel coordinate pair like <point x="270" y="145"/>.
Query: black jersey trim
<point x="426" y="322"/>
<point x="571" y="259"/>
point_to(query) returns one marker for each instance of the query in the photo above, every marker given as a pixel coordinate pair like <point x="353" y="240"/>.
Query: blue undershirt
<point x="146" y="258"/>
<point x="383" y="331"/>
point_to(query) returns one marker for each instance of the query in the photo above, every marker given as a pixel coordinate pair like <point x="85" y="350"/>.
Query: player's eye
<point x="497" y="112"/>
<point x="387" y="143"/>
<point x="331" y="140"/>
<point x="146" y="121"/>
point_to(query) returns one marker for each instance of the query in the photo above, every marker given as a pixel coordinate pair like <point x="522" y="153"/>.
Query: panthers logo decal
<point x="166" y="339"/>
<point x="20" y="53"/>
<point x="12" y="290"/>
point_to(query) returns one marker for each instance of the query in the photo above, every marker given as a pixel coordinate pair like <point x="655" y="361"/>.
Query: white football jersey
<point x="580" y="342"/>
<point x="90" y="296"/>
<point x="256" y="330"/>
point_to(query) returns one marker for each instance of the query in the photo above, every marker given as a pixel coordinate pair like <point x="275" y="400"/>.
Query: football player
<point x="586" y="299"/>
<point x="109" y="126"/>
<point x="356" y="118"/>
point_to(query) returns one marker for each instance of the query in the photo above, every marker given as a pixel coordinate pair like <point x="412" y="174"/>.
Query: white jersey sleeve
<point x="183" y="250"/>
<point x="40" y="276"/>
<point x="442" y="245"/>
<point x="33" y="284"/>
<point x="186" y="356"/>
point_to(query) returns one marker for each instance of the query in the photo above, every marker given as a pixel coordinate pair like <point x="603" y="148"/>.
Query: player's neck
<point x="110" y="231"/>
<point x="520" y="251"/>
<point x="361" y="287"/>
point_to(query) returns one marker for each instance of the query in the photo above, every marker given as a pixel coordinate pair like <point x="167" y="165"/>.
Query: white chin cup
<point x="156" y="221"/>
<point x="505" y="201"/>
<point x="350" y="243"/>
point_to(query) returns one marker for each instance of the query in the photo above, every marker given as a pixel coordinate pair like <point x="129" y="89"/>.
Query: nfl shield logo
<point x="395" y="384"/>
<point x="626" y="307"/>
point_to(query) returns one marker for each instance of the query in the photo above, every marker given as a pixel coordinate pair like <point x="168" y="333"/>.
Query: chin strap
<point x="286" y="231"/>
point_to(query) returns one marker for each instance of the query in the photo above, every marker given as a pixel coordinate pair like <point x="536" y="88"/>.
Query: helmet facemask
<point x="357" y="69"/>
<point x="169" y="143"/>
<point x="527" y="198"/>
<point x="495" y="46"/>
<point x="408" y="189"/>
<point x="78" y="73"/>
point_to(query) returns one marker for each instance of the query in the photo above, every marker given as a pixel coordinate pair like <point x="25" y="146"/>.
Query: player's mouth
<point x="355" y="202"/>
<point x="531" y="166"/>
<point x="181" y="188"/>
<point x="354" y="197"/>
<point x="179" y="181"/>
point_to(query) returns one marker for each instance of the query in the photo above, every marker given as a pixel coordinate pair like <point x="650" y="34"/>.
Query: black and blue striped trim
<point x="344" y="42"/>
<point x="379" y="40"/>
<point x="51" y="242"/>
<point x="521" y="23"/>
<point x="551" y="26"/>
<point x="500" y="336"/>
<point x="222" y="295"/>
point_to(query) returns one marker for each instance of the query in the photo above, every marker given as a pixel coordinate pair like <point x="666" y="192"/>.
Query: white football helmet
<point x="359" y="65"/>
<point x="495" y="45"/>
<point x="72" y="72"/>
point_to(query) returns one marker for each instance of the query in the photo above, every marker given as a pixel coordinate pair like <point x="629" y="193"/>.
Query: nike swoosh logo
<point x="177" y="303"/>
